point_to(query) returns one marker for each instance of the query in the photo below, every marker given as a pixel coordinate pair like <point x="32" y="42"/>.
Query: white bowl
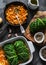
<point x="40" y="53"/>
<point x="33" y="6"/>
<point x="28" y="43"/>
<point x="40" y="33"/>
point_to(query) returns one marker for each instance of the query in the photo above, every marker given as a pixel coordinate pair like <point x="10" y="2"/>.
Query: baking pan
<point x="28" y="43"/>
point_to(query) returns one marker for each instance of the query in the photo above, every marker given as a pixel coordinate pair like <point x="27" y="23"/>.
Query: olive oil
<point x="34" y="2"/>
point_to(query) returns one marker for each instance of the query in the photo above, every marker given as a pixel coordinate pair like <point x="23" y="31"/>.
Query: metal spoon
<point x="21" y="27"/>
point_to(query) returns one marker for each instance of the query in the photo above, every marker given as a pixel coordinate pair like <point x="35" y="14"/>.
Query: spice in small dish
<point x="44" y="53"/>
<point x="33" y="4"/>
<point x="39" y="37"/>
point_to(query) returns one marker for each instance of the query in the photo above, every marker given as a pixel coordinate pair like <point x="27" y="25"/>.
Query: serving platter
<point x="27" y="34"/>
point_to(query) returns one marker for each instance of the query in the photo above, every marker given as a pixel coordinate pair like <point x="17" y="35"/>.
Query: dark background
<point x="42" y="7"/>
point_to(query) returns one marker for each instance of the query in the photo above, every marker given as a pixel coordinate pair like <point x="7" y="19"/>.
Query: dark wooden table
<point x="36" y="59"/>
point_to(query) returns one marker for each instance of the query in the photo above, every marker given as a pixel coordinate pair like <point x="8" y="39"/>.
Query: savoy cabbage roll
<point x="22" y="50"/>
<point x="11" y="54"/>
<point x="38" y="25"/>
<point x="44" y="20"/>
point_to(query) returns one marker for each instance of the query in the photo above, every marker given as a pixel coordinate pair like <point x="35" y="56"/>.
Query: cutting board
<point x="27" y="33"/>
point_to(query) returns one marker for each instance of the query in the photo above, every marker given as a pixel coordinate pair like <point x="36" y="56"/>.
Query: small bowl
<point x="33" y="6"/>
<point x="40" y="53"/>
<point x="42" y="39"/>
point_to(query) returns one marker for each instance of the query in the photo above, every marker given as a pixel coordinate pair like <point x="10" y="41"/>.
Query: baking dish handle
<point x="32" y="49"/>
